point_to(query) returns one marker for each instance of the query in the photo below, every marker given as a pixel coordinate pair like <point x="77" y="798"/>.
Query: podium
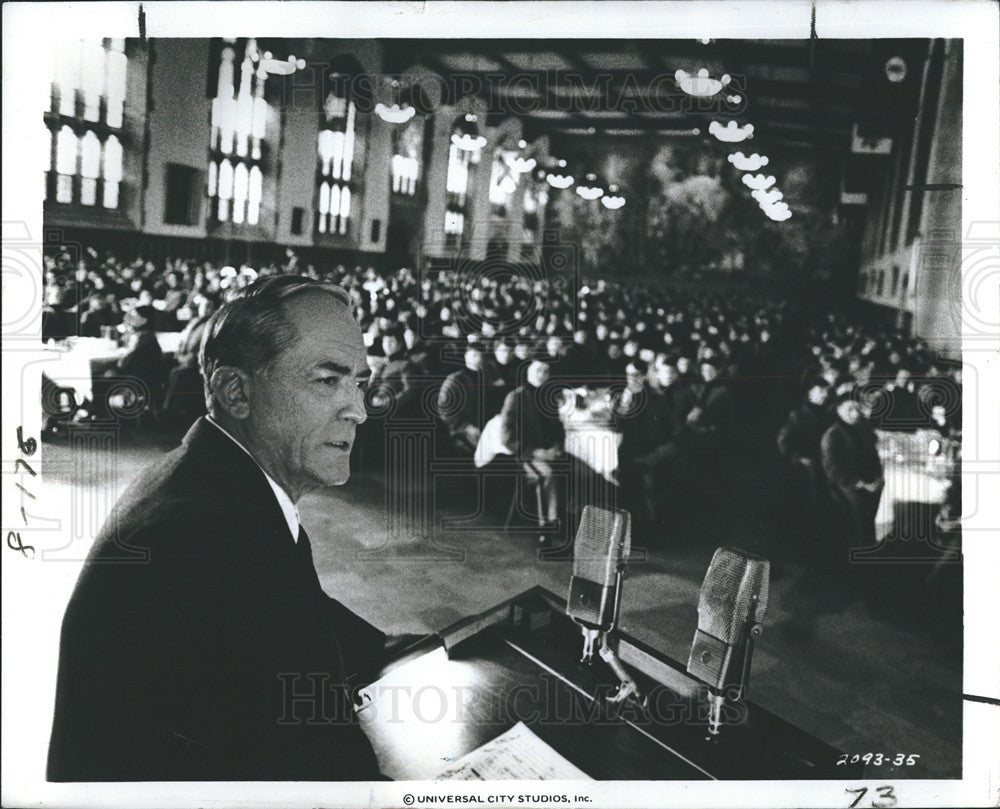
<point x="519" y="661"/>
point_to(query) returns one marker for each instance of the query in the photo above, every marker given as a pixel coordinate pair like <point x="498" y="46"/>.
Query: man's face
<point x="502" y="353"/>
<point x="634" y="378"/>
<point x="473" y="359"/>
<point x="666" y="375"/>
<point x="304" y="410"/>
<point x="390" y="345"/>
<point x="849" y="411"/>
<point x="538" y="374"/>
<point x="708" y="371"/>
<point x="818" y="394"/>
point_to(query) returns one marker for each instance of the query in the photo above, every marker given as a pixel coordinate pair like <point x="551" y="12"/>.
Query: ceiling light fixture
<point x="468" y="143"/>
<point x="279" y="67"/>
<point x="701" y="84"/>
<point x="758" y="181"/>
<point x="751" y="163"/>
<point x="731" y="132"/>
<point x="767" y="197"/>
<point x="559" y="180"/>
<point x="395" y="114"/>
<point x="612" y="200"/>
<point x="589" y="189"/>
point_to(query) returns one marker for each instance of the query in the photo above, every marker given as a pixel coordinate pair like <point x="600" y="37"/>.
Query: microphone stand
<point x="596" y="635"/>
<point x="740" y="664"/>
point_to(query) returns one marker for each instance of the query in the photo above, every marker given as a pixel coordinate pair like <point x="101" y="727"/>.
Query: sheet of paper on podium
<point x="517" y="754"/>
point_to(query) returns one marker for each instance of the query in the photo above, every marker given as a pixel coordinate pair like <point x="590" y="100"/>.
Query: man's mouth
<point x="341" y="445"/>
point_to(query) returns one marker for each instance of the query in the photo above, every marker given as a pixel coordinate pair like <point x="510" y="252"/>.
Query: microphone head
<point x="733" y="594"/>
<point x="603" y="544"/>
<point x="734" y="577"/>
<point x="602" y="547"/>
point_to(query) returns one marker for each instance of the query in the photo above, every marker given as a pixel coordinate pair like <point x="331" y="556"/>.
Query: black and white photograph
<point x="588" y="401"/>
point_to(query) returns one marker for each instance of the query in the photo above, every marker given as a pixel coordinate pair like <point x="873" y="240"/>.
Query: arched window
<point x="335" y="148"/>
<point x="116" y="63"/>
<point x="503" y="180"/>
<point x="65" y="164"/>
<point x="238" y="129"/>
<point x="112" y="171"/>
<point x="89" y="87"/>
<point x="90" y="168"/>
<point x="408" y="147"/>
<point x="464" y="152"/>
<point x="255" y="193"/>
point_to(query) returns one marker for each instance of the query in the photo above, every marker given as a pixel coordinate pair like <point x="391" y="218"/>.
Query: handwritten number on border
<point x="887" y="797"/>
<point x="15" y="544"/>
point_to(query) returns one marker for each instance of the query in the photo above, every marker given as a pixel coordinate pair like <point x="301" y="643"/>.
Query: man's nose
<point x="354" y="409"/>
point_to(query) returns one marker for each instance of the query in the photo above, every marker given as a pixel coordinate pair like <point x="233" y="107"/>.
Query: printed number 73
<point x="886" y="797"/>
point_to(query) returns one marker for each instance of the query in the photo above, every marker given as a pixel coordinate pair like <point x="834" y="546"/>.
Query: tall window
<point x="503" y="181"/>
<point x="87" y="109"/>
<point x="335" y="151"/>
<point x="464" y="152"/>
<point x="408" y="145"/>
<point x="239" y="122"/>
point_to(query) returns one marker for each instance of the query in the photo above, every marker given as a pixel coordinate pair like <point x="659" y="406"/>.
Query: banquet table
<point x="586" y="417"/>
<point x="917" y="467"/>
<point x="76" y="361"/>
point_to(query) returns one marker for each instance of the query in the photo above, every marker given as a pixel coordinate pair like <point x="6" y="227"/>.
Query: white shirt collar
<point x="288" y="509"/>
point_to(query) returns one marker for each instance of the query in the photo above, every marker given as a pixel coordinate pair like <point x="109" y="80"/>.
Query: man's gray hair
<point x="252" y="331"/>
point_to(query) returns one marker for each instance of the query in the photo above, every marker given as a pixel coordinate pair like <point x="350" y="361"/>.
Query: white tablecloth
<point x="588" y="438"/>
<point x="916" y="468"/>
<point x="72" y="368"/>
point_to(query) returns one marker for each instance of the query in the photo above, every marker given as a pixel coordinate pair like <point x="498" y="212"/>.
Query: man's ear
<point x="231" y="387"/>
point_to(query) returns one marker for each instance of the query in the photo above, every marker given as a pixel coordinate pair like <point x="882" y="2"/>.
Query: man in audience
<point x="853" y="468"/>
<point x="502" y="375"/>
<point x="535" y="436"/>
<point x="461" y="402"/>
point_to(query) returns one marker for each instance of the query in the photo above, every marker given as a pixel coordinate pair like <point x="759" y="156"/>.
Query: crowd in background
<point x="690" y="378"/>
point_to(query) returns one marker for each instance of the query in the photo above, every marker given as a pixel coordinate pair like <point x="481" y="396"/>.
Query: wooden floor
<point x="868" y="664"/>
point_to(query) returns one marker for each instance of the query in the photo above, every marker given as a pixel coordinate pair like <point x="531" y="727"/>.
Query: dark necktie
<point x="310" y="579"/>
<point x="304" y="558"/>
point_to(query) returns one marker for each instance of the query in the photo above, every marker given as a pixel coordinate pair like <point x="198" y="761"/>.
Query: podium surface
<point x="519" y="662"/>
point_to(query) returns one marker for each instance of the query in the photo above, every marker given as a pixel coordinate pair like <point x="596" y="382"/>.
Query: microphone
<point x="731" y="605"/>
<point x="600" y="552"/>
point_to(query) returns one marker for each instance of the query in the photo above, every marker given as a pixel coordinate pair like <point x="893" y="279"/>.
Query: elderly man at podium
<point x="198" y="643"/>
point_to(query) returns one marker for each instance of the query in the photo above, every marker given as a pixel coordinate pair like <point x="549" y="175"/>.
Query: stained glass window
<point x="238" y="129"/>
<point x="89" y="85"/>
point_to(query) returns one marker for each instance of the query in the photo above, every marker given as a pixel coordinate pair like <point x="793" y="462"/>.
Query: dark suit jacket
<point x="195" y="621"/>
<point x="460" y="401"/>
<point x="145" y="361"/>
<point x="850" y="455"/>
<point x="524" y="427"/>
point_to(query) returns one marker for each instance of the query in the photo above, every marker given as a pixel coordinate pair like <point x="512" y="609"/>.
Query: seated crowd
<point x="689" y="379"/>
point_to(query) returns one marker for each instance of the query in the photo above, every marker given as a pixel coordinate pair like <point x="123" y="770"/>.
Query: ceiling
<point x="796" y="93"/>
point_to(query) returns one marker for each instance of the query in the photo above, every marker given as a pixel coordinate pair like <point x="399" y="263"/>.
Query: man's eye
<point x="330" y="380"/>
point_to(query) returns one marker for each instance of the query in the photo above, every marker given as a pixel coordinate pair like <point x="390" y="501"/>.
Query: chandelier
<point x="612" y="200"/>
<point x="751" y="163"/>
<point x="394" y="114"/>
<point x="590" y="190"/>
<point x="731" y="132"/>
<point x="758" y="182"/>
<point x="701" y="84"/>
